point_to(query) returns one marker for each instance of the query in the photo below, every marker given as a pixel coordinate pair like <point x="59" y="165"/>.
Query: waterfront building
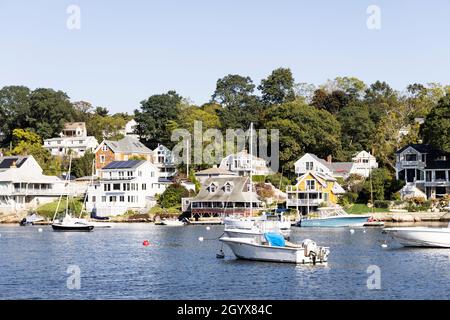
<point x="73" y="139"/>
<point x="223" y="196"/>
<point x="241" y="163"/>
<point x="425" y="168"/>
<point x="123" y="186"/>
<point x="163" y="158"/>
<point x="121" y="150"/>
<point x="313" y="189"/>
<point x="213" y="172"/>
<point x="23" y="186"/>
<point x="362" y="163"/>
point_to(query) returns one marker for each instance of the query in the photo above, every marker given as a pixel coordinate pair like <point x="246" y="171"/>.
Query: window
<point x="94" y="199"/>
<point x="144" y="186"/>
<point x="310" y="185"/>
<point x="441" y="158"/>
<point x="102" y="159"/>
<point x="107" y="187"/>
<point x="212" y="187"/>
<point x="309" y="165"/>
<point x="365" y="161"/>
<point x="440" y="175"/>
<point x="103" y="198"/>
<point x="121" y="174"/>
<point x="228" y="187"/>
<point x="129" y="174"/>
<point x="152" y="174"/>
<point x="411" y="157"/>
<point x="104" y="147"/>
<point x="140" y="173"/>
<point x="126" y="187"/>
<point x="112" y="199"/>
<point x="116" y="186"/>
<point x="122" y="198"/>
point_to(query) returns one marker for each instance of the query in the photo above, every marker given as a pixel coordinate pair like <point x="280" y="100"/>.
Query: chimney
<point x="329" y="158"/>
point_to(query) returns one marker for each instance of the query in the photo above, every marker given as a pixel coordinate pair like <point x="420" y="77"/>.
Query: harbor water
<point x="114" y="264"/>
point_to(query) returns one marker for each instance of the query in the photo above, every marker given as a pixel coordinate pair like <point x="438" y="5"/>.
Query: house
<point x="362" y="163"/>
<point x="164" y="160"/>
<point x="73" y="139"/>
<point x="122" y="150"/>
<point x="312" y="190"/>
<point x="130" y="129"/>
<point x="214" y="172"/>
<point x="241" y="163"/>
<point x="24" y="187"/>
<point x="222" y="197"/>
<point x="427" y="169"/>
<point x="122" y="186"/>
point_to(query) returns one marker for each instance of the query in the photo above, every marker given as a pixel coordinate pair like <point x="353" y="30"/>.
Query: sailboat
<point x="68" y="222"/>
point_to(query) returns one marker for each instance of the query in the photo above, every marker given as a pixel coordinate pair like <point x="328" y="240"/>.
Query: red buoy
<point x="146" y="243"/>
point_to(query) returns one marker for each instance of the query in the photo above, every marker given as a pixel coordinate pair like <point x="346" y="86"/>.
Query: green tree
<point x="171" y="197"/>
<point x="82" y="167"/>
<point x="436" y="129"/>
<point x="153" y="117"/>
<point x="278" y="87"/>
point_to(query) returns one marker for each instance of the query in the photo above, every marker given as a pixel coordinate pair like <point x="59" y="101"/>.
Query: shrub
<point x="384" y="204"/>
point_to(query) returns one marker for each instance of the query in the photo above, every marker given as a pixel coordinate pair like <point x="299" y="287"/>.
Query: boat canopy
<point x="275" y="239"/>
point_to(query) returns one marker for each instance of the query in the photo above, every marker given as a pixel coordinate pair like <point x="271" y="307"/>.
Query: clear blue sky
<point x="126" y="51"/>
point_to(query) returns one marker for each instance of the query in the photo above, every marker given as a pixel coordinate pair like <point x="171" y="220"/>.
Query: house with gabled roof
<point x="242" y="163"/>
<point x="121" y="150"/>
<point x="312" y="190"/>
<point x="223" y="196"/>
<point x="213" y="172"/>
<point x="424" y="168"/>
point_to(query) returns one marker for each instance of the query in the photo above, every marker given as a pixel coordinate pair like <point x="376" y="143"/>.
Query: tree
<point x="332" y="102"/>
<point x="436" y="129"/>
<point x="14" y="110"/>
<point x="380" y="184"/>
<point x="154" y="116"/>
<point x="82" y="110"/>
<point x="171" y="197"/>
<point x="304" y="128"/>
<point x="233" y="91"/>
<point x="82" y="167"/>
<point x="26" y="142"/>
<point x="278" y="87"/>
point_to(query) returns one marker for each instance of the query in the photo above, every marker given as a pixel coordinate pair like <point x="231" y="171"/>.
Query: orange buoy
<point x="146" y="243"/>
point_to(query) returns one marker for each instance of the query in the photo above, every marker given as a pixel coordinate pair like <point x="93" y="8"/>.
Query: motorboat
<point x="420" y="236"/>
<point x="71" y="224"/>
<point x="333" y="217"/>
<point x="278" y="219"/>
<point x="172" y="222"/>
<point x="274" y="248"/>
<point x="240" y="222"/>
<point x="31" y="220"/>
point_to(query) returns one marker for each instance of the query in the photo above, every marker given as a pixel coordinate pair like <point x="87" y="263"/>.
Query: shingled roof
<point x="238" y="192"/>
<point x="127" y="145"/>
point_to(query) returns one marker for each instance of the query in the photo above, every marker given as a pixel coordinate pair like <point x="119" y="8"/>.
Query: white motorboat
<point x="172" y="222"/>
<point x="275" y="249"/>
<point x="96" y="224"/>
<point x="421" y="236"/>
<point x="240" y="222"/>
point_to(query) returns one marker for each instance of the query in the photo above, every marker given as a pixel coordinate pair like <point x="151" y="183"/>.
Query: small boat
<point x="333" y="217"/>
<point x="420" y="236"/>
<point x="172" y="222"/>
<point x="70" y="224"/>
<point x="240" y="222"/>
<point x="274" y="248"/>
<point x="31" y="220"/>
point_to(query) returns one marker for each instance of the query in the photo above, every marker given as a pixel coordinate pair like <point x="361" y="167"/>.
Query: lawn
<point x="48" y="210"/>
<point x="360" y="208"/>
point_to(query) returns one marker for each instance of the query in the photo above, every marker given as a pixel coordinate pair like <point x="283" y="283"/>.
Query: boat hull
<point x="421" y="236"/>
<point x="337" y="221"/>
<point x="244" y="248"/>
<point x="59" y="227"/>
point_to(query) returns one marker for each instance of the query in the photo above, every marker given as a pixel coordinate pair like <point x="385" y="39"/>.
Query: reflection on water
<point x="115" y="265"/>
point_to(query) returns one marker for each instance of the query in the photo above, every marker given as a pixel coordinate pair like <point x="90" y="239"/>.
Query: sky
<point x="126" y="51"/>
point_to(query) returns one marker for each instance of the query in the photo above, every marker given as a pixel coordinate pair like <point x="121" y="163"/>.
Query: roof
<point x="130" y="164"/>
<point x="422" y="148"/>
<point x="238" y="192"/>
<point x="7" y="162"/>
<point x="215" y="171"/>
<point x="337" y="167"/>
<point x="74" y="125"/>
<point x="128" y="145"/>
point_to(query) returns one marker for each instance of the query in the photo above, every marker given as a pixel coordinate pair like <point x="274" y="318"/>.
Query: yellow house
<point x="312" y="190"/>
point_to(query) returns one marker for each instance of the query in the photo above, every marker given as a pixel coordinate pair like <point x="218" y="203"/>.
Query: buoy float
<point x="208" y="228"/>
<point x="364" y="231"/>
<point x="146" y="243"/>
<point x="352" y="231"/>
<point x="384" y="245"/>
<point x="200" y="238"/>
<point x="40" y="230"/>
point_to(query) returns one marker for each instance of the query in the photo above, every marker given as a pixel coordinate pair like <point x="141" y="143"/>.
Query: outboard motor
<point x="310" y="246"/>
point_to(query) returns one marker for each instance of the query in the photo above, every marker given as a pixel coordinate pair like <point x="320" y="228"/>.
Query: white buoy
<point x="40" y="230"/>
<point x="364" y="231"/>
<point x="384" y="245"/>
<point x="352" y="231"/>
<point x="208" y="228"/>
<point x="200" y="238"/>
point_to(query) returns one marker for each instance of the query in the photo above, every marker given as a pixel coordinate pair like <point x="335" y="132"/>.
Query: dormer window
<point x="212" y="187"/>
<point x="411" y="157"/>
<point x="309" y="165"/>
<point x="228" y="187"/>
<point x="441" y="158"/>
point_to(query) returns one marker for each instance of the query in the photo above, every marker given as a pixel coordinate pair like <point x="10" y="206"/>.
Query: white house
<point x="362" y="163"/>
<point x="130" y="128"/>
<point x="24" y="187"/>
<point x="73" y="138"/>
<point x="242" y="162"/>
<point x="214" y="172"/>
<point x="124" y="185"/>
<point x="164" y="160"/>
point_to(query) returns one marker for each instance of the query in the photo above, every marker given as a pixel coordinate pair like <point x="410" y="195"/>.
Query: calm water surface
<point x="115" y="265"/>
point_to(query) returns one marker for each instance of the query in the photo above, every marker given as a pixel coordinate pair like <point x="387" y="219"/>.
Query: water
<point x="115" y="265"/>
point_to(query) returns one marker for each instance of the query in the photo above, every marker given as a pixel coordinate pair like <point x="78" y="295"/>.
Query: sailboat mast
<point x="251" y="168"/>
